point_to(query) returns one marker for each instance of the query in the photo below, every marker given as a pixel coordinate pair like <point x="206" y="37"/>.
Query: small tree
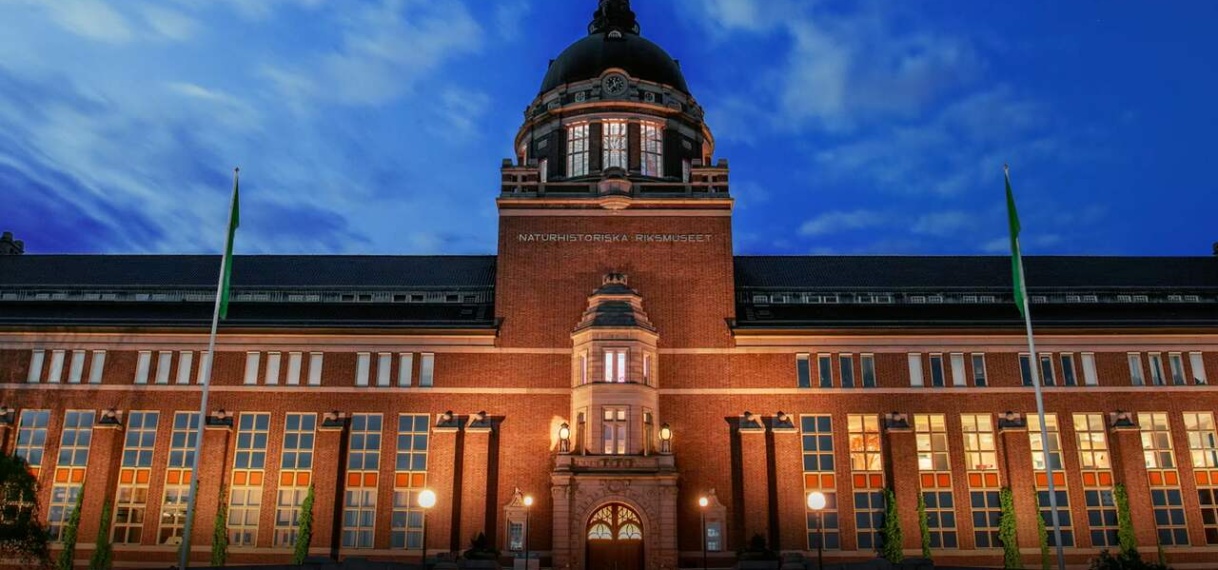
<point x="1046" y="559"/>
<point x="22" y="536"/>
<point x="103" y="555"/>
<point x="1008" y="533"/>
<point x="304" y="529"/>
<point x="219" y="533"/>
<point x="1125" y="537"/>
<point x="924" y="526"/>
<point x="892" y="549"/>
<point x="67" y="557"/>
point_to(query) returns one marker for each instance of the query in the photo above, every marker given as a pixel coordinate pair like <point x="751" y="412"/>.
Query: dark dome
<point x="589" y="57"/>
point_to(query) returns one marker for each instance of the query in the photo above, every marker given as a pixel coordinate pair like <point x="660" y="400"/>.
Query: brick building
<point x="615" y="362"/>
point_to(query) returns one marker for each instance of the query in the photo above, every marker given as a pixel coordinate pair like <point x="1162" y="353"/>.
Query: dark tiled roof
<point x="897" y="273"/>
<point x="251" y="271"/>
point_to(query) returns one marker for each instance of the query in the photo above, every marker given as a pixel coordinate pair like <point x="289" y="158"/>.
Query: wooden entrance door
<point x="615" y="539"/>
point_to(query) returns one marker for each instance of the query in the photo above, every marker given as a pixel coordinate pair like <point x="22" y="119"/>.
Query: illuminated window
<point x="614" y="145"/>
<point x="1202" y="441"/>
<point x="1038" y="447"/>
<point x="865" y="447"/>
<point x="363" y="465"/>
<point x="577" y="149"/>
<point x="177" y="477"/>
<point x="249" y="465"/>
<point x="652" y="140"/>
<point x="613" y="431"/>
<point x="295" y="475"/>
<point x="980" y="451"/>
<point x="931" y="435"/>
<point x="615" y="365"/>
<point x="1156" y="440"/>
<point x="410" y="477"/>
<point x="1092" y="441"/>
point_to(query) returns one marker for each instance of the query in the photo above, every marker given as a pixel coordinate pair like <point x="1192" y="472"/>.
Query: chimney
<point x="10" y="246"/>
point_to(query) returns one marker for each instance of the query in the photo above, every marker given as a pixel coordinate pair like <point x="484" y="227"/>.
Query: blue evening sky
<point x="379" y="126"/>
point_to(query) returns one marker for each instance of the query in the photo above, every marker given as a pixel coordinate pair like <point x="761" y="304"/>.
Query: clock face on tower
<point x="614" y="84"/>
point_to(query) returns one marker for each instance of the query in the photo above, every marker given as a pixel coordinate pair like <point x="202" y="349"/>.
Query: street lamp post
<point x="427" y="500"/>
<point x="702" y="503"/>
<point x="528" y="502"/>
<point x="816" y="502"/>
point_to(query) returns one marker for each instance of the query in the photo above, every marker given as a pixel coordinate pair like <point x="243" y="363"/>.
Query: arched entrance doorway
<point x="615" y="539"/>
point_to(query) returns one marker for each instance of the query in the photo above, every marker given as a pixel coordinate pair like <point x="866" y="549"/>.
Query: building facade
<point x="614" y="363"/>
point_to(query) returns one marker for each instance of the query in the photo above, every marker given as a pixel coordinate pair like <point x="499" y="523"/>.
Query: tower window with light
<point x="615" y="146"/>
<point x="577" y="150"/>
<point x="652" y="142"/>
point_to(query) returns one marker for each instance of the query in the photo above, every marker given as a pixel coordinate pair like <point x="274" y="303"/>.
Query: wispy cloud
<point x="835" y="222"/>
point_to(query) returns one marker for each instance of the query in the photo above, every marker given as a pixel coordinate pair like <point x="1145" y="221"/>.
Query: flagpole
<point x="1034" y="367"/>
<point x="184" y="555"/>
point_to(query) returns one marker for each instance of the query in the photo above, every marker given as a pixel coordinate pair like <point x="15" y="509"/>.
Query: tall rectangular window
<point x="185" y="360"/>
<point x="931" y="436"/>
<point x="410" y="477"/>
<point x="1092" y="441"/>
<point x="865" y="447"/>
<point x="868" y="368"/>
<point x="1025" y="369"/>
<point x="1135" y="369"/>
<point x="1168" y="507"/>
<point x="315" y="362"/>
<point x="178" y="477"/>
<point x="652" y="140"/>
<point x="647" y="372"/>
<point x="936" y="371"/>
<point x="405" y="369"/>
<point x="363" y="465"/>
<point x="135" y="473"/>
<point x="980" y="449"/>
<point x="1065" y="521"/>
<point x="803" y="370"/>
<point x="164" y="362"/>
<point x="979" y="378"/>
<point x="295" y="475"/>
<point x="97" y="367"/>
<point x="846" y="362"/>
<point x="1038" y="445"/>
<point x="55" y="370"/>
<point x="825" y="368"/>
<point x="143" y="365"/>
<point x="427" y="369"/>
<point x="1202" y="441"/>
<point x="35" y="373"/>
<point x="271" y="376"/>
<point x="614" y="149"/>
<point x="930" y="432"/>
<point x="915" y="369"/>
<point x="819" y="475"/>
<point x="77" y="368"/>
<point x="363" y="361"/>
<point x="958" y="370"/>
<point x="1175" y="361"/>
<point x="582" y="372"/>
<point x="577" y="149"/>
<point x="252" y="360"/>
<point x="1046" y="370"/>
<point x="1156" y="368"/>
<point x="614" y="430"/>
<point x="1069" y="377"/>
<point x="615" y="365"/>
<point x="249" y="468"/>
<point x="32" y="437"/>
<point x="295" y="360"/>
<point x="384" y="367"/>
<point x="69" y="469"/>
<point x="987" y="515"/>
<point x="1090" y="376"/>
<point x="1208" y="497"/>
<point x="1156" y="440"/>
<point x="1198" y="365"/>
<point x="1102" y="517"/>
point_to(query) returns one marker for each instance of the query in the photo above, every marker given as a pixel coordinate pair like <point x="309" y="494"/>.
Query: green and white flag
<point x="234" y="220"/>
<point x="1016" y="258"/>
